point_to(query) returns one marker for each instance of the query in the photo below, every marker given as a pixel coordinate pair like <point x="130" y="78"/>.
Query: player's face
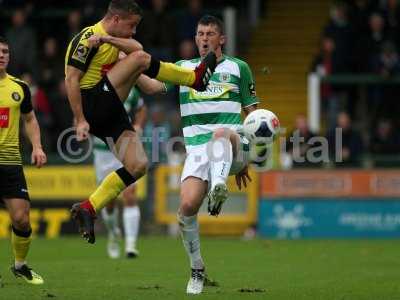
<point x="209" y="38"/>
<point x="4" y="56"/>
<point x="125" y="27"/>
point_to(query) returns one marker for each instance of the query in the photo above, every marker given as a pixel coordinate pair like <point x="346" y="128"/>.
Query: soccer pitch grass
<point x="259" y="269"/>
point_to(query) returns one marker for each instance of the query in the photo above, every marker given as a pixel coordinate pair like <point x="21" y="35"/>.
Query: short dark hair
<point x="212" y="20"/>
<point x="3" y="40"/>
<point x="124" y="7"/>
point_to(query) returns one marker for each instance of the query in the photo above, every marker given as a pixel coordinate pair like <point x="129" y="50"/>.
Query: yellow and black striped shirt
<point x="94" y="62"/>
<point x="15" y="98"/>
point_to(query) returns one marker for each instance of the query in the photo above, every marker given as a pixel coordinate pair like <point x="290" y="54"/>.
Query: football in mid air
<point x="261" y="126"/>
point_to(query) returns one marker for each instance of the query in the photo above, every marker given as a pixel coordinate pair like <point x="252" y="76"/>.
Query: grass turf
<point x="259" y="269"/>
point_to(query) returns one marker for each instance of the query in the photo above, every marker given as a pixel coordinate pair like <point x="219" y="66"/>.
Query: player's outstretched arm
<point x="33" y="132"/>
<point x="151" y="86"/>
<point x="72" y="79"/>
<point x="125" y="45"/>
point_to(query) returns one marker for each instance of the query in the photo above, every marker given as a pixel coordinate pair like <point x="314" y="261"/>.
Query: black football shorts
<point x="13" y="183"/>
<point x="104" y="111"/>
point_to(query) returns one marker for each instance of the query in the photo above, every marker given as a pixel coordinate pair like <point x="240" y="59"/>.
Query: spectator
<point x="340" y="30"/>
<point x="62" y="113"/>
<point x="352" y="147"/>
<point x="361" y="9"/>
<point x="391" y="12"/>
<point x="299" y="143"/>
<point x="383" y="100"/>
<point x="189" y="18"/>
<point x="385" y="139"/>
<point x="41" y="105"/>
<point x="22" y="43"/>
<point x="74" y="24"/>
<point x="387" y="62"/>
<point x="369" y="45"/>
<point x="325" y="64"/>
<point x="157" y="31"/>
<point x="51" y="65"/>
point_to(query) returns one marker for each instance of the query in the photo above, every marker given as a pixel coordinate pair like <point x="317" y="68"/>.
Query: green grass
<point x="345" y="269"/>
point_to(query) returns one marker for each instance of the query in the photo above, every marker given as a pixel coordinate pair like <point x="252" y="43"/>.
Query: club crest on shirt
<point x="224" y="77"/>
<point x="252" y="89"/>
<point x="81" y="53"/>
<point x="15" y="96"/>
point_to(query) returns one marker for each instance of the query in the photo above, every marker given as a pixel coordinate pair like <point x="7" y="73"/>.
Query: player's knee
<point x="20" y="220"/>
<point x="139" y="168"/>
<point x="219" y="133"/>
<point x="141" y="58"/>
<point x="188" y="208"/>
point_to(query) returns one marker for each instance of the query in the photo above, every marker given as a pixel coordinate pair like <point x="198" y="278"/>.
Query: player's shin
<point x="110" y="188"/>
<point x="221" y="156"/>
<point x="191" y="239"/>
<point x="20" y="241"/>
<point x="131" y="217"/>
<point x="111" y="219"/>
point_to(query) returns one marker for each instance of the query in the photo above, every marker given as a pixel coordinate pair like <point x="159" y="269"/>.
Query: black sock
<point x="152" y="71"/>
<point x="126" y="177"/>
<point x="21" y="233"/>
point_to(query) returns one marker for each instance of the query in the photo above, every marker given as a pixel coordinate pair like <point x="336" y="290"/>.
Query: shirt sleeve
<point x="247" y="85"/>
<point x="80" y="55"/>
<point x="26" y="104"/>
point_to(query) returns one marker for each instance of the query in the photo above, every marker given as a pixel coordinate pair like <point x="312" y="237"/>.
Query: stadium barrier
<point x="326" y="204"/>
<point x="53" y="189"/>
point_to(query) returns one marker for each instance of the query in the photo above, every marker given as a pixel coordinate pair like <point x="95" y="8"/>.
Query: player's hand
<point x="95" y="41"/>
<point x="138" y="129"/>
<point x="38" y="157"/>
<point x="82" y="130"/>
<point x="243" y="176"/>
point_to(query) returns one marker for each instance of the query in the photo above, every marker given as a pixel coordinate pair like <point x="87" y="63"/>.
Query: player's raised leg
<point x="125" y="73"/>
<point x="193" y="191"/>
<point x="21" y="239"/>
<point x="222" y="150"/>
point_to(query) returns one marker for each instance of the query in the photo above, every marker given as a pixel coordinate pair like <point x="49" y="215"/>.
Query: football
<point x="261" y="125"/>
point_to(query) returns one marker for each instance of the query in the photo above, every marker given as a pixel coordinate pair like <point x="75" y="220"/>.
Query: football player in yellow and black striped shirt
<point x="15" y="103"/>
<point x="97" y="83"/>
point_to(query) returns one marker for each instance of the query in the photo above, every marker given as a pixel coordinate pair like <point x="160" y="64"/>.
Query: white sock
<point x="191" y="240"/>
<point x="221" y="161"/>
<point x="111" y="220"/>
<point x="131" y="217"/>
<point x="19" y="264"/>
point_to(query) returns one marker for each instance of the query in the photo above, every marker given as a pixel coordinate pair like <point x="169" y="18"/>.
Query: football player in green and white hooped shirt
<point x="209" y="116"/>
<point x="106" y="162"/>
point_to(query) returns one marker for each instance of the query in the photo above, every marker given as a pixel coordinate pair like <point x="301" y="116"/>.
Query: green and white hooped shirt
<point x="230" y="89"/>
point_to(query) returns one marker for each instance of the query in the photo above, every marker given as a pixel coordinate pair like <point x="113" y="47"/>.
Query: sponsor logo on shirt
<point x="4" y="117"/>
<point x="213" y="91"/>
<point x="81" y="53"/>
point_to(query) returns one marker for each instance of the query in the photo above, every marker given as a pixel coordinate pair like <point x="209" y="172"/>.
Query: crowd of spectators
<point x="362" y="37"/>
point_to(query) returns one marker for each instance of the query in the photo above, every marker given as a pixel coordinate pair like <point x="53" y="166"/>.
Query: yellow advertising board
<point x="238" y="213"/>
<point x="66" y="182"/>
